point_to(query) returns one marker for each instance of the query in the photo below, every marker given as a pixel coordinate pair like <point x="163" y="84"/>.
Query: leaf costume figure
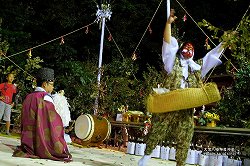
<point x="178" y="126"/>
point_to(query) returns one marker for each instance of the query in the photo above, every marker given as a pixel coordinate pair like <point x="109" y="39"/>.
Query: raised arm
<point x="170" y="45"/>
<point x="167" y="30"/>
<point x="211" y="59"/>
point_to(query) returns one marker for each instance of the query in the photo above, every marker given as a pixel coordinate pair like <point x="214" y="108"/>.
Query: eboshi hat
<point x="45" y="74"/>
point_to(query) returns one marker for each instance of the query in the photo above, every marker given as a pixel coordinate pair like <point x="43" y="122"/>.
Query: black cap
<point x="45" y="74"/>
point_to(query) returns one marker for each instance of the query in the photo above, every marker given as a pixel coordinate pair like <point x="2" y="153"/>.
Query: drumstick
<point x="72" y="124"/>
<point x="70" y="127"/>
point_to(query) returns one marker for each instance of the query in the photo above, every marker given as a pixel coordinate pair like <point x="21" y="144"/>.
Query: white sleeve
<point x="211" y="60"/>
<point x="48" y="98"/>
<point x="169" y="53"/>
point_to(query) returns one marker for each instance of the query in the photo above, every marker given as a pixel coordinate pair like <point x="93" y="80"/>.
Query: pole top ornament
<point x="103" y="11"/>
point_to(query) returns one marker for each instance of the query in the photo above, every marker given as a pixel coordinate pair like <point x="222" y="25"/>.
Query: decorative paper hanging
<point x="29" y="54"/>
<point x="134" y="57"/>
<point x="150" y="30"/>
<point x="184" y="18"/>
<point x="110" y="37"/>
<point x="62" y="41"/>
<point x="87" y="30"/>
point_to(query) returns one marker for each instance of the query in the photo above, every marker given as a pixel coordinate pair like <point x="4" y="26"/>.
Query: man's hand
<point x="172" y="17"/>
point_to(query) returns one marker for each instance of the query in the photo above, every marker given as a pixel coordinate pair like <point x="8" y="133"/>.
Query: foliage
<point x="79" y="83"/>
<point x="119" y="86"/>
<point x="4" y="46"/>
<point x="207" y="117"/>
<point x="28" y="23"/>
<point x="23" y="78"/>
<point x="236" y="101"/>
<point x="234" y="107"/>
<point x="152" y="77"/>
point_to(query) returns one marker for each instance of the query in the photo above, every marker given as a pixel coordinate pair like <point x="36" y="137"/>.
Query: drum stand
<point x="91" y="144"/>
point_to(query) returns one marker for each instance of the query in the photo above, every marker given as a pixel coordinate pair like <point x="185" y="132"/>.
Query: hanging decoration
<point x="110" y="37"/>
<point x="150" y="30"/>
<point x="103" y="12"/>
<point x="134" y="56"/>
<point x="23" y="51"/>
<point x="184" y="18"/>
<point x="29" y="53"/>
<point x="62" y="41"/>
<point x="87" y="30"/>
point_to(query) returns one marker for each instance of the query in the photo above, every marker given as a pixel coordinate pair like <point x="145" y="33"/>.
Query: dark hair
<point x="9" y="74"/>
<point x="39" y="82"/>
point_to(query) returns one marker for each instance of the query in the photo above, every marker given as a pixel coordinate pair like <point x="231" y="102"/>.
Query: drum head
<point x="84" y="127"/>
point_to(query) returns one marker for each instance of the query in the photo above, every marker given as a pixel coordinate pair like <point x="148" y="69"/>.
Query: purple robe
<point x="42" y="130"/>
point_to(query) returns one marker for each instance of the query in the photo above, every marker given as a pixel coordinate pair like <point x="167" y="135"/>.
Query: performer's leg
<point x="184" y="136"/>
<point x="156" y="133"/>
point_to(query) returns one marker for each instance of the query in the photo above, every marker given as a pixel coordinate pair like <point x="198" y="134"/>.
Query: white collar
<point x="40" y="89"/>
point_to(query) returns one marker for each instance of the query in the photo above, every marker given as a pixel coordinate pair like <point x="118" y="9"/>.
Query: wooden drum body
<point x="92" y="129"/>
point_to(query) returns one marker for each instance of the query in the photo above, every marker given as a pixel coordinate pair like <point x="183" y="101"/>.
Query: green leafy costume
<point x="177" y="126"/>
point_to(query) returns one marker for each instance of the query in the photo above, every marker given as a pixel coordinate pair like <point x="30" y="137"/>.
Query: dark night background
<point x="28" y="23"/>
<point x="35" y="22"/>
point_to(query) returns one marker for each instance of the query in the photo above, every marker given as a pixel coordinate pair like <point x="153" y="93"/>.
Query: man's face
<point x="49" y="86"/>
<point x="187" y="51"/>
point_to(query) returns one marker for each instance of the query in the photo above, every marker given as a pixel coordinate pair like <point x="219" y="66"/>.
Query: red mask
<point x="187" y="50"/>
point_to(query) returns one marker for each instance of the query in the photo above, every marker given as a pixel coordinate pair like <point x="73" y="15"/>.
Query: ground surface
<point x="81" y="156"/>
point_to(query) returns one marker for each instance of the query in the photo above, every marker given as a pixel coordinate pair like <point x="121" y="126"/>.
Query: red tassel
<point x="110" y="37"/>
<point x="184" y="18"/>
<point x="150" y="30"/>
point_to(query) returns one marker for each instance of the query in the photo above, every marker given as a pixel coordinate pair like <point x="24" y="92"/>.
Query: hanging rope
<point x="147" y="27"/>
<point x="223" y="51"/>
<point x="243" y="18"/>
<point x="141" y="37"/>
<point x="115" y="42"/>
<point x="119" y="49"/>
<point x="17" y="65"/>
<point x="50" y="41"/>
<point x="61" y="37"/>
<point x="208" y="36"/>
